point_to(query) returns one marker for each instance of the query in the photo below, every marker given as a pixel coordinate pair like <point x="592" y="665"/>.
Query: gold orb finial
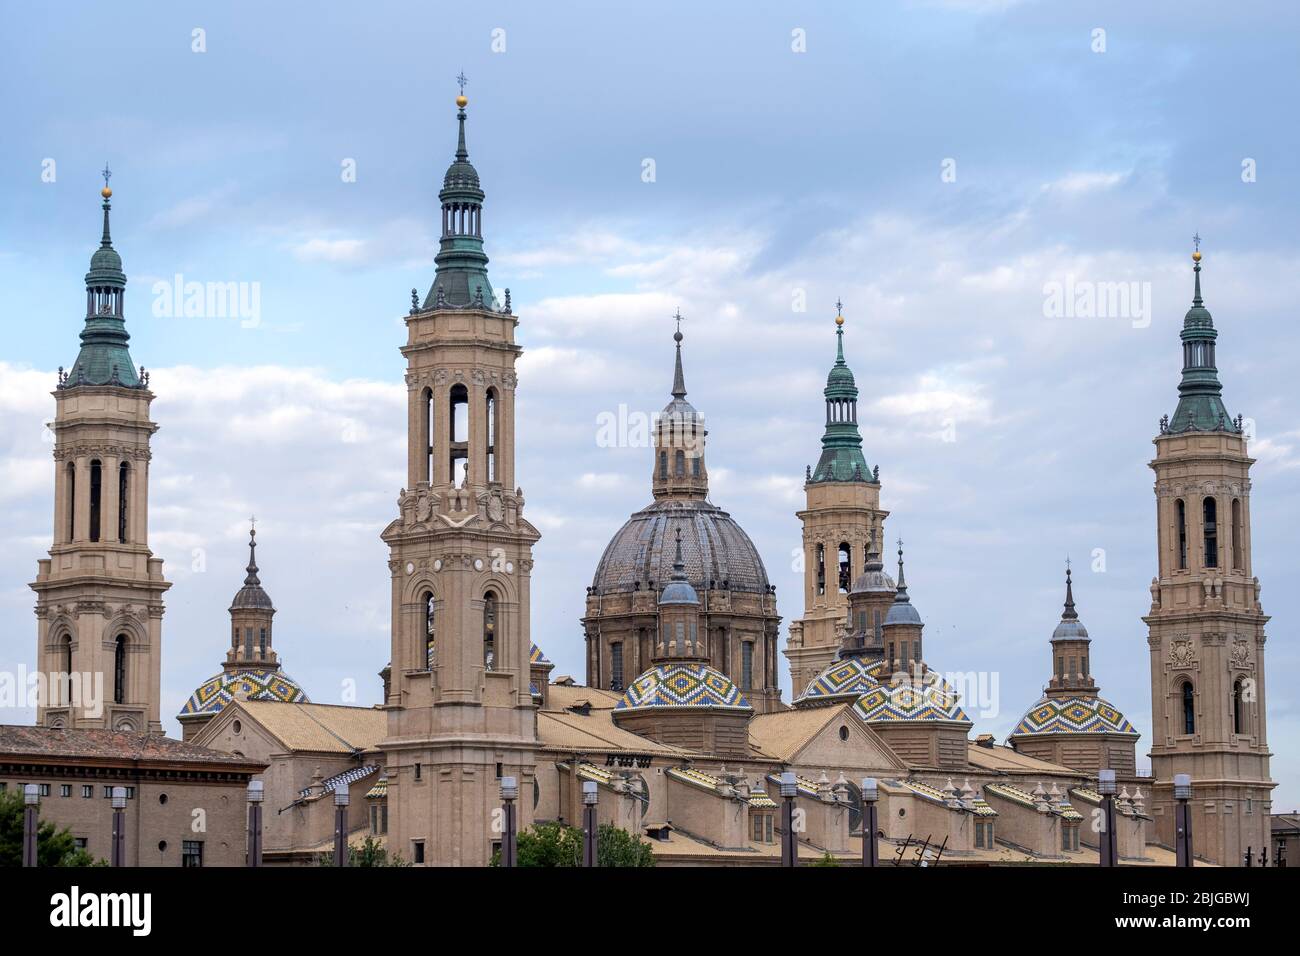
<point x="106" y="192"/>
<point x="839" y="320"/>
<point x="462" y="101"/>
<point x="1196" y="256"/>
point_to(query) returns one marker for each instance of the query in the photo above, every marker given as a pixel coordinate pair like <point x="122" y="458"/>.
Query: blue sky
<point x="1006" y="438"/>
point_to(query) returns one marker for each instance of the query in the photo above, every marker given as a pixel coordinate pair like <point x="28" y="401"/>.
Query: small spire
<point x="679" y="380"/>
<point x="462" y="154"/>
<point x="1069" y="614"/>
<point x="839" y="333"/>
<point x="902" y="583"/>
<point x="107" y="239"/>
<point x="252" y="579"/>
<point x="1196" y="258"/>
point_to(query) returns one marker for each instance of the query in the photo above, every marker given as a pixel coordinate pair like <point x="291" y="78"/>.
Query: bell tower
<point x="461" y="714"/>
<point x="842" y="515"/>
<point x="99" y="594"/>
<point x="1206" y="623"/>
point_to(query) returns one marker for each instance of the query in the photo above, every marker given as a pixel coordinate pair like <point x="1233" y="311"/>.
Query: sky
<point x="939" y="167"/>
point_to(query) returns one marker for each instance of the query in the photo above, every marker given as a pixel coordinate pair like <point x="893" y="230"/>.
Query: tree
<point x="53" y="847"/>
<point x="370" y="853"/>
<point x="554" y="844"/>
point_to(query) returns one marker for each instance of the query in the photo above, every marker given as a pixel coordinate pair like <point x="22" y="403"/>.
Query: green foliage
<point x="826" y="860"/>
<point x="53" y="848"/>
<point x="370" y="853"/>
<point x="554" y="844"/>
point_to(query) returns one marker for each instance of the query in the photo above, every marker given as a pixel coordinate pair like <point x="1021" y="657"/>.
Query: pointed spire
<point x="841" y="458"/>
<point x="106" y="241"/>
<point x="1200" y="402"/>
<point x="902" y="583"/>
<point x="1069" y="614"/>
<point x="679" y="380"/>
<point x="252" y="580"/>
<point x="462" y="154"/>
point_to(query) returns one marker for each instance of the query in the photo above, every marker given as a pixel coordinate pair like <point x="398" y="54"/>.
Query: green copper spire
<point x="461" y="280"/>
<point x="1200" y="402"/>
<point x="104" y="359"/>
<point x="841" y="458"/>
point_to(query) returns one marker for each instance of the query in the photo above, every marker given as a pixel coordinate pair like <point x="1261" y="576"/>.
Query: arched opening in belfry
<point x="1211" y="527"/>
<point x="1180" y="521"/>
<point x="490" y="631"/>
<point x="96" y="496"/>
<point x="491" y="410"/>
<point x="821" y="569"/>
<point x="430" y="631"/>
<point x="119" y="670"/>
<point x="458" y="430"/>
<point x="123" y="497"/>
<point x="1238" y="707"/>
<point x="846" y="567"/>
<point x="1189" y="708"/>
<point x="72" y="501"/>
<point x="1237" y="530"/>
<point x="426" y="431"/>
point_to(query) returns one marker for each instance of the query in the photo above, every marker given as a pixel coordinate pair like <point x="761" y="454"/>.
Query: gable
<point x="845" y="742"/>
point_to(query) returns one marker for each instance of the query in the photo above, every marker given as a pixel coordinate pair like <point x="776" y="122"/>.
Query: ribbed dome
<point x="461" y="175"/>
<point x="215" y="693"/>
<point x="1073" y="715"/>
<point x="106" y="259"/>
<point x="683" y="684"/>
<point x="714" y="549"/>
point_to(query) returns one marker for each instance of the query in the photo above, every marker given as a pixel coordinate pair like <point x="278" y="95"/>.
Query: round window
<point x="237" y="727"/>
<point x="162" y="798"/>
<point x="844" y="733"/>
<point x="162" y="846"/>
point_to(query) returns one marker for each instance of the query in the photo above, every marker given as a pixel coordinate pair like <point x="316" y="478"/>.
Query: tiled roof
<point x="1073" y="715"/>
<point x="845" y="679"/>
<point x="344" y="779"/>
<point x="19" y="740"/>
<point x="1026" y="799"/>
<point x="931" y="699"/>
<point x="216" y="692"/>
<point x="320" y="728"/>
<point x="683" y="684"/>
<point x="806" y="787"/>
<point x="782" y="733"/>
<point x="535" y="656"/>
<point x="379" y="791"/>
<point x="596" y="733"/>
<point x="1005" y="759"/>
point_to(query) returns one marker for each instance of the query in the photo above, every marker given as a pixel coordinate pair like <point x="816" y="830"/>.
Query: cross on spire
<point x="839" y="306"/>
<point x="1196" y="239"/>
<point x="677" y="316"/>
<point x="106" y="173"/>
<point x="461" y="80"/>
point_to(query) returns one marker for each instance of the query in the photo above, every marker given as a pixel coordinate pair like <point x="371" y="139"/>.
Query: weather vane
<point x="678" y="317"/>
<point x="1196" y="238"/>
<point x="107" y="174"/>
<point x="461" y="80"/>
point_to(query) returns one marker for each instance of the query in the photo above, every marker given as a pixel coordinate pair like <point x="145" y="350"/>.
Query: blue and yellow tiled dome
<point x="932" y="699"/>
<point x="844" y="679"/>
<point x="214" y="693"/>
<point x="682" y="684"/>
<point x="1073" y="715"/>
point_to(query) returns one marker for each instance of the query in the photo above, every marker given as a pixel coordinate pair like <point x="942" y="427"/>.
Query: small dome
<point x="873" y="580"/>
<point x="843" y="679"/>
<point x="680" y="410"/>
<point x="682" y="684"/>
<point x="461" y="175"/>
<point x="1070" y="630"/>
<point x="213" y="694"/>
<point x="105" y="259"/>
<point x="931" y="699"/>
<point x="679" y="592"/>
<point x="252" y="596"/>
<point x="1073" y="715"/>
<point x="840" y="375"/>
<point x="902" y="612"/>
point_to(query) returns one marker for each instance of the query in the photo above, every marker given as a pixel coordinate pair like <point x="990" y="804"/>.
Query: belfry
<point x="99" y="602"/>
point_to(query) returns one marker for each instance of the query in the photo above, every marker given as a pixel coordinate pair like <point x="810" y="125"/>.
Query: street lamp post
<point x="789" y="845"/>
<point x="1106" y="787"/>
<point x="255" y="794"/>
<point x="31" y="804"/>
<point x="341" y="825"/>
<point x="1183" y="819"/>
<point x="589" y="798"/>
<point x="118" y="854"/>
<point x="870" y="849"/>
<point x="509" y="839"/>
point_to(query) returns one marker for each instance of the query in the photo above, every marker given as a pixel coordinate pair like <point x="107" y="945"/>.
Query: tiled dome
<point x="842" y="680"/>
<point x="213" y="694"/>
<point x="1073" y="715"/>
<point x="682" y="684"/>
<point x="911" y="702"/>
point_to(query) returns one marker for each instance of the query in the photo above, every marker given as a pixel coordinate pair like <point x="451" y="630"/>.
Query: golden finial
<point x="1196" y="256"/>
<point x="839" y="312"/>
<point x="107" y="174"/>
<point x="462" y="101"/>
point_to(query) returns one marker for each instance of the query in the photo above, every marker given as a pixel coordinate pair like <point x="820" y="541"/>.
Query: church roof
<point x="535" y="656"/>
<point x="319" y="728"/>
<point x="848" y="678"/>
<point x="104" y="744"/>
<point x="1073" y="715"/>
<point x="931" y="700"/>
<point x="216" y="692"/>
<point x="682" y="684"/>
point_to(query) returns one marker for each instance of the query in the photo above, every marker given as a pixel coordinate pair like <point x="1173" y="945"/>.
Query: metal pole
<point x="118" y="854"/>
<point x="1183" y="819"/>
<point x="31" y="803"/>
<point x="1106" y="787"/>
<point x="589" y="796"/>
<point x="341" y="825"/>
<point x="870" y="849"/>
<point x="789" y="845"/>
<point x="255" y="794"/>
<point x="510" y="839"/>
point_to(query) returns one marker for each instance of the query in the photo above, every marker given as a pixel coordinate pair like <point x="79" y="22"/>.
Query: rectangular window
<point x="616" y="666"/>
<point x="191" y="853"/>
<point x="418" y="851"/>
<point x="383" y="818"/>
<point x="65" y="789"/>
<point x="45" y="789"/>
<point x="769" y="819"/>
<point x="417" y="771"/>
<point x="80" y="842"/>
<point x="758" y="828"/>
<point x="88" y="790"/>
<point x="979" y="835"/>
<point x="746" y="665"/>
<point x="374" y="818"/>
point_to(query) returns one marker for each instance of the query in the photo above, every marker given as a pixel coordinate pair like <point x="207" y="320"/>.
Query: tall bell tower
<point x="99" y="602"/>
<point x="839" y="523"/>
<point x="1206" y="624"/>
<point x="461" y="714"/>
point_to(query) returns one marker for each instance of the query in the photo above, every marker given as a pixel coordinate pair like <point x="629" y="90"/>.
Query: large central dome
<point x="717" y="552"/>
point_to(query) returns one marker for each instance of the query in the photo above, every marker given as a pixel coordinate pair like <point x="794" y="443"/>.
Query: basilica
<point x="680" y="720"/>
